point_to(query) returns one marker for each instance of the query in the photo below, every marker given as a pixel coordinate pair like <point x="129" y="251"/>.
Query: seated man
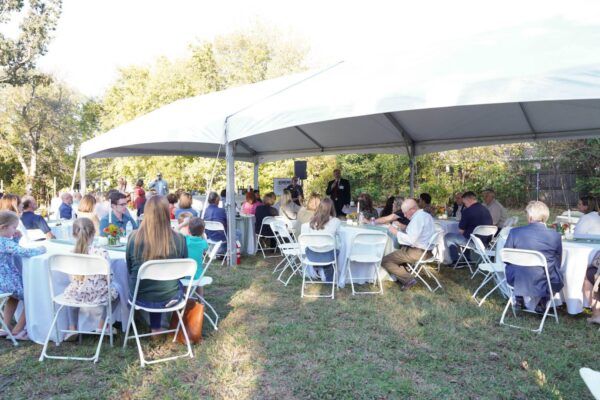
<point x="425" y="203"/>
<point x="214" y="213"/>
<point x="473" y="215"/>
<point x="536" y="236"/>
<point x="413" y="243"/>
<point x="118" y="215"/>
<point x="589" y="223"/>
<point x="33" y="221"/>
<point x="458" y="206"/>
<point x="497" y="210"/>
<point x="65" y="211"/>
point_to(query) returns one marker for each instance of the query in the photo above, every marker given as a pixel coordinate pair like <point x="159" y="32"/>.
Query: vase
<point x="113" y="240"/>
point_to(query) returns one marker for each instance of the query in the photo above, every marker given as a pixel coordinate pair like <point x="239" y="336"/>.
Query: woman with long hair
<point x="287" y="208"/>
<point x="366" y="206"/>
<point x="324" y="221"/>
<point x="155" y="240"/>
<point x="87" y="205"/>
<point x="307" y="211"/>
<point x="249" y="206"/>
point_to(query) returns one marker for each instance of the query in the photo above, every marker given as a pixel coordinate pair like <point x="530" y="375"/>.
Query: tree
<point x="18" y="56"/>
<point x="40" y="122"/>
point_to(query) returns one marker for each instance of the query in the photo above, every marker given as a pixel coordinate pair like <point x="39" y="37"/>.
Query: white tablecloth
<point x="62" y="229"/>
<point x="346" y="235"/>
<point x="448" y="226"/>
<point x="576" y="258"/>
<point x="245" y="224"/>
<point x="38" y="303"/>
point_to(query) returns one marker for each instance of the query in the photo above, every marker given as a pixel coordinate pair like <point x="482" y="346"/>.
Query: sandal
<point x="22" y="335"/>
<point x="3" y="333"/>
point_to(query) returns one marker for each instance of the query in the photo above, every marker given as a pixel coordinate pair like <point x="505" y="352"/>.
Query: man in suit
<point x="339" y="191"/>
<point x="536" y="236"/>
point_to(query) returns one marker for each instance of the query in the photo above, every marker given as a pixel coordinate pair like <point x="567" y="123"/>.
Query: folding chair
<point x="319" y="242"/>
<point x="77" y="264"/>
<point x="421" y="265"/>
<point x="265" y="222"/>
<point x="162" y="270"/>
<point x="481" y="230"/>
<point x="215" y="226"/>
<point x="488" y="269"/>
<point x="592" y="380"/>
<point x="510" y="222"/>
<point x="367" y="248"/>
<point x="503" y="234"/>
<point x="3" y="299"/>
<point x="288" y="247"/>
<point x="203" y="281"/>
<point x="528" y="259"/>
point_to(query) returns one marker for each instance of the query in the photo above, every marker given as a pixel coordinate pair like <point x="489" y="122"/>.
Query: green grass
<point x="271" y="344"/>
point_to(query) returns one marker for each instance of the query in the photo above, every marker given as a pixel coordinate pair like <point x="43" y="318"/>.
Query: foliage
<point x="18" y="55"/>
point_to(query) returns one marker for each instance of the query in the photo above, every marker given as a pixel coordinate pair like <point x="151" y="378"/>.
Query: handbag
<point x="193" y="317"/>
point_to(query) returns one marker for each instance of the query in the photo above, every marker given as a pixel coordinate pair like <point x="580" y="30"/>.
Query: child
<point x="90" y="289"/>
<point x="11" y="280"/>
<point x="197" y="246"/>
<point x="183" y="221"/>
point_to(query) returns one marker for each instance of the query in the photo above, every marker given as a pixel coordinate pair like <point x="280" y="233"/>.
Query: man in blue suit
<point x="536" y="236"/>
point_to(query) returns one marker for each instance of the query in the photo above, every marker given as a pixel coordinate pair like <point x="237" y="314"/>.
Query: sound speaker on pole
<point x="300" y="169"/>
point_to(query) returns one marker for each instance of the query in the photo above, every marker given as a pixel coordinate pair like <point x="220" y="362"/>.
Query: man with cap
<point x="159" y="185"/>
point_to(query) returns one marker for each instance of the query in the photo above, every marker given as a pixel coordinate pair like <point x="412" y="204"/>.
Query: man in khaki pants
<point x="413" y="239"/>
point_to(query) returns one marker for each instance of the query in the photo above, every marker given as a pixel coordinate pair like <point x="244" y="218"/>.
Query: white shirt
<point x="498" y="213"/>
<point x="331" y="227"/>
<point x="418" y="232"/>
<point x="589" y="224"/>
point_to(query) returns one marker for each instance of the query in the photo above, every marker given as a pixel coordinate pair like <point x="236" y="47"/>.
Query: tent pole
<point x="229" y="157"/>
<point x="75" y="171"/>
<point x="256" y="164"/>
<point x="413" y="167"/>
<point x="82" y="177"/>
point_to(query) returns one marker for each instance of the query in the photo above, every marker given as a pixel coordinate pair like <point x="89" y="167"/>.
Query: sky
<point x="96" y="37"/>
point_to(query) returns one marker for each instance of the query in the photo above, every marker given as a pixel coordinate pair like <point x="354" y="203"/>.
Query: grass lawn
<point x="273" y="345"/>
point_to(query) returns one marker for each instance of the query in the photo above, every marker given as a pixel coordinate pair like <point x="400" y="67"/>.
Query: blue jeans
<point x="452" y="241"/>
<point x="327" y="256"/>
<point x="155" y="317"/>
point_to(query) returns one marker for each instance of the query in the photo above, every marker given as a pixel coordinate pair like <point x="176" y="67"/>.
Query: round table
<point x="577" y="255"/>
<point x="245" y="224"/>
<point x="447" y="226"/>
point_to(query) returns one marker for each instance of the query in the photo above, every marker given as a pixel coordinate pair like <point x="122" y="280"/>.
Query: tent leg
<point x="256" y="164"/>
<point x="229" y="158"/>
<point x="82" y="177"/>
<point x="413" y="167"/>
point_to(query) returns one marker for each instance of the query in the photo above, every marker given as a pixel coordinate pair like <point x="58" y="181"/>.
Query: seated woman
<point x="185" y="205"/>
<point x="388" y="208"/>
<point x="589" y="223"/>
<point x="287" y="208"/>
<point x="324" y="221"/>
<point x="90" y="289"/>
<point x="266" y="210"/>
<point x="531" y="282"/>
<point x="87" y="205"/>
<point x="366" y="206"/>
<point x="155" y="240"/>
<point x="249" y="206"/>
<point x="306" y="212"/>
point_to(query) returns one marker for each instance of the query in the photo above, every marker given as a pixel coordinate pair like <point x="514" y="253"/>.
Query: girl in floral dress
<point x="11" y="280"/>
<point x="90" y="289"/>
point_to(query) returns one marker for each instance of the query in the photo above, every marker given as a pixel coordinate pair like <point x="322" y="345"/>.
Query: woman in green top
<point x="155" y="240"/>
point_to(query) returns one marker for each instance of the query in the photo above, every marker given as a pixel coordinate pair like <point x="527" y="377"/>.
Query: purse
<point x="193" y="318"/>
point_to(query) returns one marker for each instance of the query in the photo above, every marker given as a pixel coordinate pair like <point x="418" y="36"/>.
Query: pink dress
<point x="250" y="209"/>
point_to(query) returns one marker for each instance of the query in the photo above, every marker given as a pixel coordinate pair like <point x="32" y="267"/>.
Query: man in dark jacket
<point x="339" y="191"/>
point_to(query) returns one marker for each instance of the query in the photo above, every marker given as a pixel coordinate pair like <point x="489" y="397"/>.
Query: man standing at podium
<point x="339" y="191"/>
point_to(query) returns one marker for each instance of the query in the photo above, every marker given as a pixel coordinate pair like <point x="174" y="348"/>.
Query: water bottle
<point x="128" y="228"/>
<point x="361" y="219"/>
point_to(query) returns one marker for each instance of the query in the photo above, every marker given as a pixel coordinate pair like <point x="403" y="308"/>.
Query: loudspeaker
<point x="300" y="169"/>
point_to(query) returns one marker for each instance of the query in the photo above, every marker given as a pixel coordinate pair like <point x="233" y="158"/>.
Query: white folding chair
<point x="424" y="260"/>
<point x="528" y="259"/>
<point x="367" y="248"/>
<point x="481" y="230"/>
<point x="161" y="270"/>
<point x="3" y="299"/>
<point x="203" y="281"/>
<point x="215" y="226"/>
<point x="510" y="222"/>
<point x="318" y="242"/>
<point x="266" y="222"/>
<point x="490" y="270"/>
<point x="77" y="264"/>
<point x="289" y="248"/>
<point x="592" y="380"/>
<point x="503" y="234"/>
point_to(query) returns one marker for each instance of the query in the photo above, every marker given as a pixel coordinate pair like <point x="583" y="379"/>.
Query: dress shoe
<point x="408" y="284"/>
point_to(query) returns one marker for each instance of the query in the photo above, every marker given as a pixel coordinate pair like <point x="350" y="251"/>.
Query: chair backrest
<point x="268" y="220"/>
<point x="281" y="232"/>
<point x="512" y="221"/>
<point x="213" y="226"/>
<point x="485" y="230"/>
<point x="524" y="258"/>
<point x="316" y="242"/>
<point x="504" y="232"/>
<point x="79" y="264"/>
<point x="211" y="256"/>
<point x="480" y="249"/>
<point x="438" y="226"/>
<point x="432" y="246"/>
<point x="573" y="213"/>
<point x="167" y="270"/>
<point x="35" y="234"/>
<point x="288" y="222"/>
<point x="372" y="243"/>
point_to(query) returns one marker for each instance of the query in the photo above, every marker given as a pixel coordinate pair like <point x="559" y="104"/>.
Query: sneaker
<point x="408" y="284"/>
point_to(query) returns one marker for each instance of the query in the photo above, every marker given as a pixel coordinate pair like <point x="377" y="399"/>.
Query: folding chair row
<point x="481" y="231"/>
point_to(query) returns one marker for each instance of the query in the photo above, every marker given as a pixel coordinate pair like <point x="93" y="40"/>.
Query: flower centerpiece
<point x="113" y="233"/>
<point x="441" y="212"/>
<point x="352" y="217"/>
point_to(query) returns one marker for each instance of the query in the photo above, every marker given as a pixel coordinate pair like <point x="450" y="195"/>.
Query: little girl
<point x="90" y="289"/>
<point x="11" y="280"/>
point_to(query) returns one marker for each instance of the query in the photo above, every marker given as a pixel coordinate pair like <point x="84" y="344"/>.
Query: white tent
<point x="393" y="107"/>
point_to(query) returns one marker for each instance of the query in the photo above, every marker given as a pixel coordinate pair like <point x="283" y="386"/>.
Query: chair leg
<point x="139" y="344"/>
<point x="4" y="326"/>
<point x="54" y="319"/>
<point x="216" y="316"/>
<point x="304" y="266"/>
<point x="350" y="275"/>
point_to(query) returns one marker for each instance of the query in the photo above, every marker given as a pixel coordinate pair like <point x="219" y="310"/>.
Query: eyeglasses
<point x="121" y="204"/>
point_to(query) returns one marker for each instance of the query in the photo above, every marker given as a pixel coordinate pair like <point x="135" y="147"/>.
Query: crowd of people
<point x="148" y="216"/>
